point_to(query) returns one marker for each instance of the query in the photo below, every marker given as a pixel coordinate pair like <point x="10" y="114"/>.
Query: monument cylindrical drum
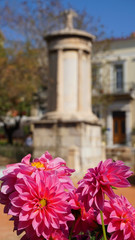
<point x="69" y="84"/>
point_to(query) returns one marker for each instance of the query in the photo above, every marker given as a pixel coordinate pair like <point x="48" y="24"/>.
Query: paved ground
<point x="6" y="227"/>
<point x="129" y="193"/>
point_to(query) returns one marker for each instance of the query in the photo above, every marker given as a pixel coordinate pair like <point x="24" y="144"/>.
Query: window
<point x="118" y="74"/>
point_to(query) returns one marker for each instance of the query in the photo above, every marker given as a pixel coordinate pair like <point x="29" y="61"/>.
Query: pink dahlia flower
<point x="40" y="202"/>
<point x="99" y="181"/>
<point x="44" y="163"/>
<point x="27" y="168"/>
<point x="119" y="215"/>
<point x="84" y="221"/>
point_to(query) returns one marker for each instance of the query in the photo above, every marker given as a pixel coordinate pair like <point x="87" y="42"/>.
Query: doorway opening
<point x="119" y="128"/>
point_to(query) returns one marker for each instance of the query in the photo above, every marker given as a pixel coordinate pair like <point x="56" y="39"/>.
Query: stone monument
<point x="69" y="129"/>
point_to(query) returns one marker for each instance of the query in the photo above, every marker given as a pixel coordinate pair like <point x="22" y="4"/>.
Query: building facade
<point x="114" y="89"/>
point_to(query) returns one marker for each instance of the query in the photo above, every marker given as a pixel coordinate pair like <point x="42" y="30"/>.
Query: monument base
<point x="77" y="142"/>
<point x="71" y="116"/>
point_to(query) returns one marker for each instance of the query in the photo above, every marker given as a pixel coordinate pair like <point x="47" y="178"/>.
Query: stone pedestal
<point x="77" y="142"/>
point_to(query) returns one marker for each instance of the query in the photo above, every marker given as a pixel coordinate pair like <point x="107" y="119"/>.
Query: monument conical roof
<point x="69" y="30"/>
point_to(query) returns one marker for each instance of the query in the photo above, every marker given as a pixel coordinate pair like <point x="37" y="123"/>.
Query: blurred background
<point x="24" y="75"/>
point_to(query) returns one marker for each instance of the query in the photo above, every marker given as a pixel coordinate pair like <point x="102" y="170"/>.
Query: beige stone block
<point x="63" y="131"/>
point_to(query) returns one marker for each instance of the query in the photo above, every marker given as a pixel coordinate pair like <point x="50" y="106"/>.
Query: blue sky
<point x="117" y="16"/>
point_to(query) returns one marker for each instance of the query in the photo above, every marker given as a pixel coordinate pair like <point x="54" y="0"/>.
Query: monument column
<point x="90" y="84"/>
<point x="80" y="52"/>
<point x="59" y="87"/>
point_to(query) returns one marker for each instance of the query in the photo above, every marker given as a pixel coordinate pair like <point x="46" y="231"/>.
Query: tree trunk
<point x="10" y="136"/>
<point x="10" y="129"/>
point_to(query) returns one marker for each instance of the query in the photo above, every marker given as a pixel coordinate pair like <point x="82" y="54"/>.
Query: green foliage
<point x="14" y="152"/>
<point x="19" y="80"/>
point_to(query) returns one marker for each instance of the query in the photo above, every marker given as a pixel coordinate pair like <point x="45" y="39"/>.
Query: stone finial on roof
<point x="69" y="14"/>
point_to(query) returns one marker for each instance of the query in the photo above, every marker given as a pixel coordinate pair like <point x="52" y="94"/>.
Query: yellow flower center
<point x="43" y="202"/>
<point x="37" y="164"/>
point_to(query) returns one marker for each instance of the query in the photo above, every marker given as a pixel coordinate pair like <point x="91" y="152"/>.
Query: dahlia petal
<point x="26" y="196"/>
<point x="26" y="159"/>
<point x="13" y="211"/>
<point x="91" y="201"/>
<point x="24" y="216"/>
<point x="34" y="214"/>
<point x="40" y="229"/>
<point x="6" y="208"/>
<point x="23" y="224"/>
<point x="52" y="213"/>
<point x="3" y="198"/>
<point x="46" y="233"/>
<point x="114" y="215"/>
<point x="27" y="206"/>
<point x="58" y="161"/>
<point x="122" y="225"/>
<point x="55" y="223"/>
<point x="36" y="221"/>
<point x="38" y="180"/>
<point x="60" y="210"/>
<point x="112" y="227"/>
<point x="7" y="186"/>
<point x="107" y="162"/>
<point x="10" y="169"/>
<point x="127" y="233"/>
<point x="70" y="217"/>
<point x="48" y="155"/>
<point x="117" y="236"/>
<point x="20" y="188"/>
<point x="99" y="200"/>
<point x="17" y="202"/>
<point x="13" y="195"/>
<point x="122" y="183"/>
<point x="85" y="190"/>
<point x="108" y="191"/>
<point x="5" y="189"/>
<point x="29" y="182"/>
<point x="46" y="221"/>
